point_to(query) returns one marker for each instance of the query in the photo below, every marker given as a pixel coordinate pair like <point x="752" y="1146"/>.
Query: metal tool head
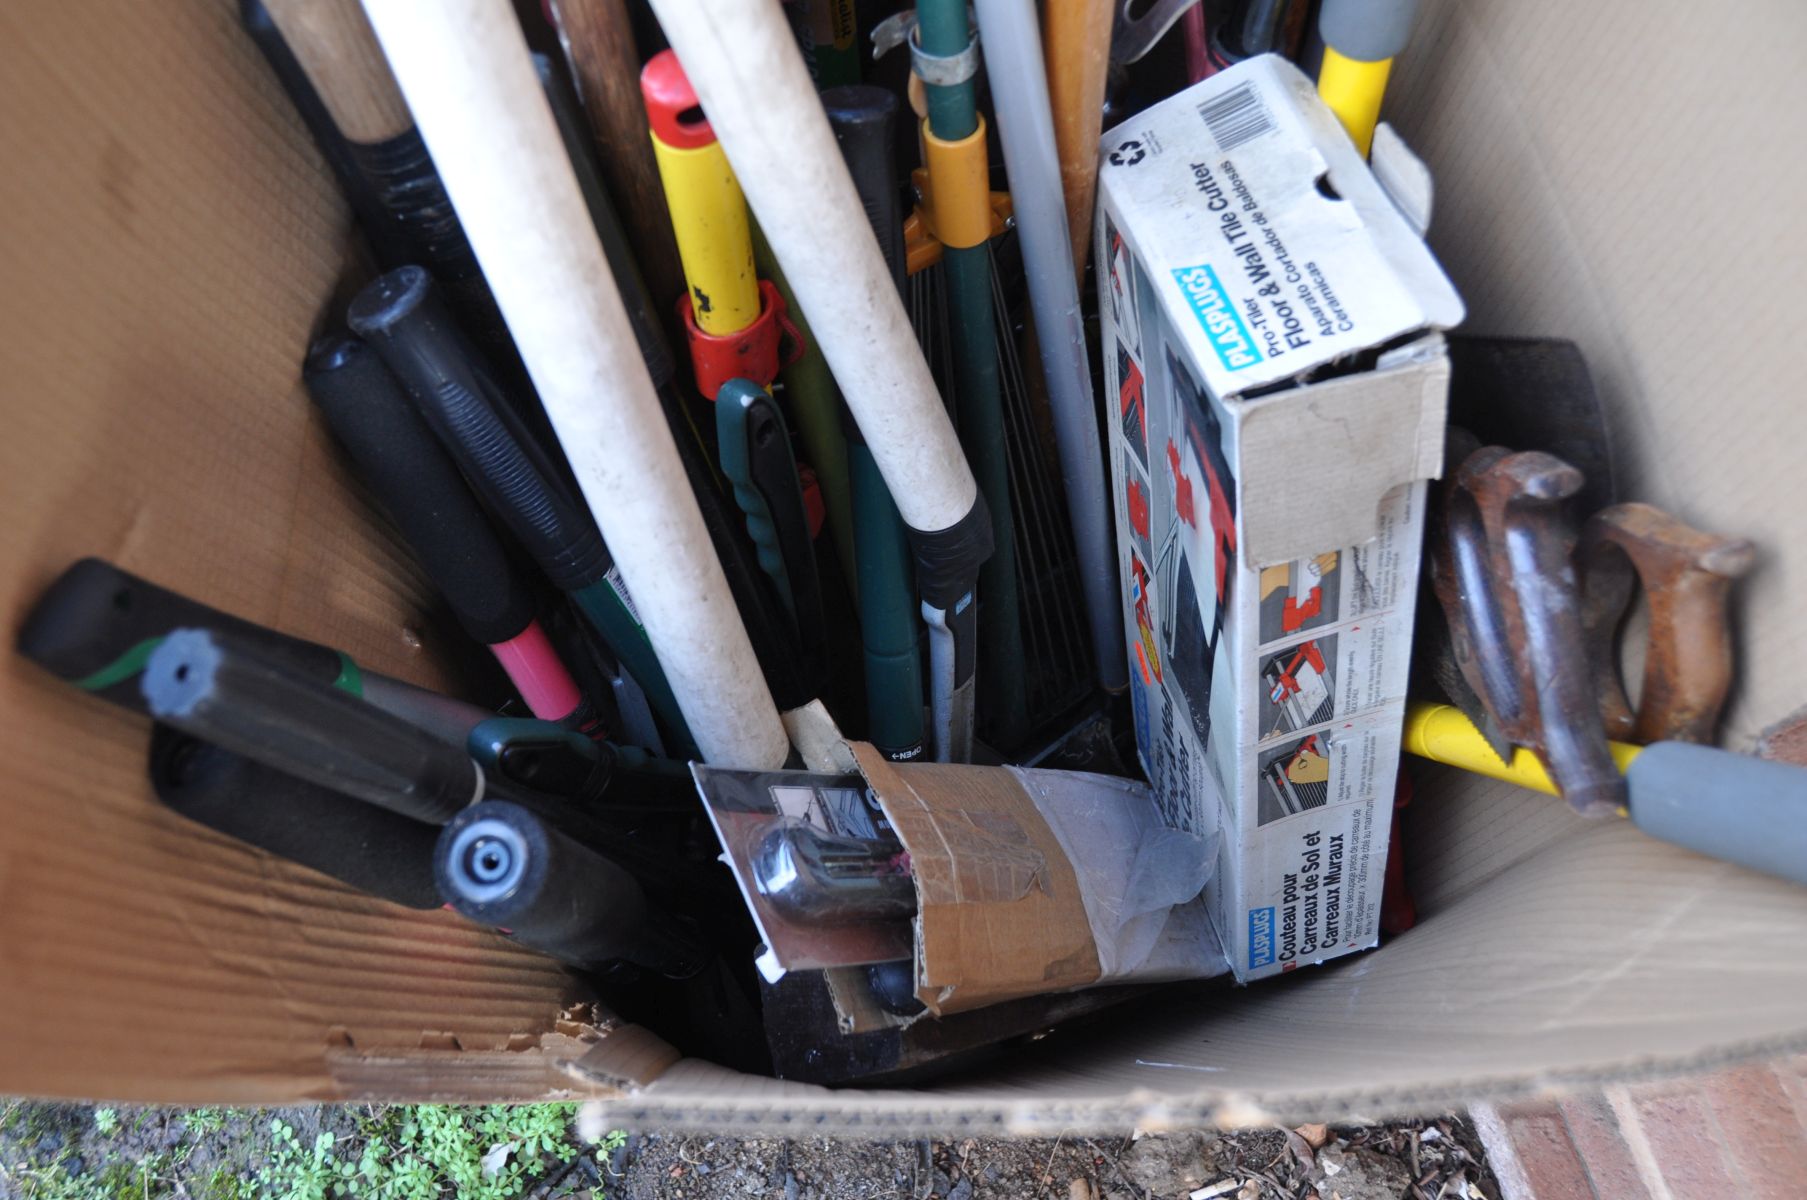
<point x="1687" y="576"/>
<point x="1503" y="575"/>
<point x="1134" y="36"/>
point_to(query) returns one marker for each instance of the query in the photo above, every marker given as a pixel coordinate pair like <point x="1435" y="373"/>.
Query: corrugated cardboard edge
<point x="1031" y="934"/>
<point x="587" y="1055"/>
<point x="712" y="1099"/>
<point x="1317" y="461"/>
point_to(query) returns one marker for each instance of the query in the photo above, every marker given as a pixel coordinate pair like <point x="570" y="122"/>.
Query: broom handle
<point x="1078" y="36"/>
<point x="1019" y="89"/>
<point x="465" y="68"/>
<point x="333" y="42"/>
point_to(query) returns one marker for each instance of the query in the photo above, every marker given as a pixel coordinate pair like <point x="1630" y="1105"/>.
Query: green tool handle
<point x="888" y="619"/>
<point x="733" y="412"/>
<point x="607" y="612"/>
<point x="815" y="406"/>
<point x="756" y="456"/>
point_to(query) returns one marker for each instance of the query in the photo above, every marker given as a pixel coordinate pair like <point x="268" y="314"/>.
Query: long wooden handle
<point x="1077" y="34"/>
<point x="333" y="42"/>
<point x="465" y="68"/>
<point x="598" y="38"/>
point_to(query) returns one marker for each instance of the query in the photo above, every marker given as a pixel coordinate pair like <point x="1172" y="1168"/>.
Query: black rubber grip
<point x="370" y="848"/>
<point x="500" y="864"/>
<point x="378" y="224"/>
<point x="403" y="464"/>
<point x="408" y="186"/>
<point x="948" y="560"/>
<point x="864" y="120"/>
<point x="91" y="628"/>
<point x="405" y="319"/>
<point x="213" y="686"/>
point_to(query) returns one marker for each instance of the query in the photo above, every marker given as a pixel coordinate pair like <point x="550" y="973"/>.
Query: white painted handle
<point x="1019" y="90"/>
<point x="464" y="67"/>
<point x="744" y="63"/>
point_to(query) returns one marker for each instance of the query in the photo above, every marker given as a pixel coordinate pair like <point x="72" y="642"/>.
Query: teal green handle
<point x="603" y="607"/>
<point x="732" y="406"/>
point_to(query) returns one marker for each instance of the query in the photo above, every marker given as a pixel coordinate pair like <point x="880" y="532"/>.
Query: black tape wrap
<point x="405" y="319"/>
<point x="948" y="560"/>
<point x="409" y="188"/>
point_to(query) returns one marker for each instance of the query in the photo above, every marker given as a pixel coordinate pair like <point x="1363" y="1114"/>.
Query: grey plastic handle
<point x="1367" y="30"/>
<point x="1744" y="810"/>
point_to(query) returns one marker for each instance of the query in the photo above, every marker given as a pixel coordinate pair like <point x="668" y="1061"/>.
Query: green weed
<point x="422" y="1152"/>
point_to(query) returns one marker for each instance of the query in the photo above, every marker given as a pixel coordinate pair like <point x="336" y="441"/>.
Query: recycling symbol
<point x="1128" y="154"/>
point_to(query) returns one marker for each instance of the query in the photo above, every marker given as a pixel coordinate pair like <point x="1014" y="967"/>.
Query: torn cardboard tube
<point x="1007" y="906"/>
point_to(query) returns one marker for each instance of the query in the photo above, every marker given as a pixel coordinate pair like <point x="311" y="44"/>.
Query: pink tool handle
<point x="538" y="674"/>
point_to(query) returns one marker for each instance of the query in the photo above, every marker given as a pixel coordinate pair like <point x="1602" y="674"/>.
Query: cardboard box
<point x="168" y="237"/>
<point x="1269" y="321"/>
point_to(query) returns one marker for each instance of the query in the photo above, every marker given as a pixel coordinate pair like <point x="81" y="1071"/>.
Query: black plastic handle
<point x="864" y="120"/>
<point x="96" y="626"/>
<point x="370" y="848"/>
<point x="215" y="687"/>
<point x="501" y="864"/>
<point x="400" y="461"/>
<point x="405" y="319"/>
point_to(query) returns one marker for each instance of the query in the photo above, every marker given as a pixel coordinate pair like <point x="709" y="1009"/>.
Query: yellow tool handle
<point x="1353" y="90"/>
<point x="709" y="218"/>
<point x="708" y="212"/>
<point x="1443" y="733"/>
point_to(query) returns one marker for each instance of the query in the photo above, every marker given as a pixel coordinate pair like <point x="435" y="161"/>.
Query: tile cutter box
<point x="1271" y="321"/>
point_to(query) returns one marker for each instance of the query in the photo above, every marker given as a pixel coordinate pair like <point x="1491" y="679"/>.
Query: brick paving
<point x="1736" y="1134"/>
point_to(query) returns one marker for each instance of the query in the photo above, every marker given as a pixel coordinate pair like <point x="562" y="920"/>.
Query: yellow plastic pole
<point x="1353" y="90"/>
<point x="1443" y="733"/>
<point x="708" y="212"/>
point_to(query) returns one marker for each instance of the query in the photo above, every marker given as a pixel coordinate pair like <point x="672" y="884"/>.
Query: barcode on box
<point x="1236" y="117"/>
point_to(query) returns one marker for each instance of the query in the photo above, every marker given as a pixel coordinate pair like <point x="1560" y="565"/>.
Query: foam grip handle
<point x="212" y="686"/>
<point x="500" y="864"/>
<point x="96" y="626"/>
<point x="405" y="319"/>
<point x="1743" y="810"/>
<point x="864" y="120"/>
<point x="398" y="458"/>
<point x="373" y="850"/>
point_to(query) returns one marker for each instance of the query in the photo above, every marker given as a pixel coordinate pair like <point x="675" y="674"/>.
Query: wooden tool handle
<point x="334" y="44"/>
<point x="1078" y="37"/>
<point x="598" y="39"/>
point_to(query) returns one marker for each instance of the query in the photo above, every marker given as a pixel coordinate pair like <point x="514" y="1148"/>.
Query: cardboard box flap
<point x="998" y="907"/>
<point x="1282" y="245"/>
<point x="1317" y="465"/>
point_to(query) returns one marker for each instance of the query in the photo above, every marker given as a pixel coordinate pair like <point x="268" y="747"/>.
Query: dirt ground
<point x="1430" y="1159"/>
<point x="67" y="1152"/>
